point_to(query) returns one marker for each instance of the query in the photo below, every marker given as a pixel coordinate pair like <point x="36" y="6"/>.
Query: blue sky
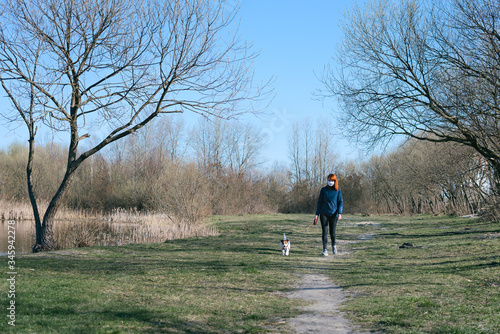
<point x="296" y="39"/>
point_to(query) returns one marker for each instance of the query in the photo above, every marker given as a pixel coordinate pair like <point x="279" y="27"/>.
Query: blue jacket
<point x="329" y="202"/>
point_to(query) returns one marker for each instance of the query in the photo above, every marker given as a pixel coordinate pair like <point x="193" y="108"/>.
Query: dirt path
<point x="323" y="315"/>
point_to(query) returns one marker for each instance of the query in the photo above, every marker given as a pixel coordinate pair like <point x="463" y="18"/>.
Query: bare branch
<point x="427" y="70"/>
<point x="107" y="68"/>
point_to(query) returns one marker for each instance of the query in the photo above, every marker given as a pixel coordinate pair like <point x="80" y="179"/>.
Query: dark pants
<point x="328" y="222"/>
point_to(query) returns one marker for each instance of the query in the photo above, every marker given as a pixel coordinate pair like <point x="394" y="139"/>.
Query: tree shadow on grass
<point x="140" y="320"/>
<point x="153" y="324"/>
<point x="141" y="260"/>
<point x="429" y="235"/>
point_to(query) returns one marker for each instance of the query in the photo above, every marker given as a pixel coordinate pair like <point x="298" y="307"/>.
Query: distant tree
<point x="425" y="177"/>
<point x="221" y="146"/>
<point x="311" y="152"/>
<point x="424" y="69"/>
<point x="312" y="157"/>
<point x="242" y="146"/>
<point x="207" y="144"/>
<point x="106" y="68"/>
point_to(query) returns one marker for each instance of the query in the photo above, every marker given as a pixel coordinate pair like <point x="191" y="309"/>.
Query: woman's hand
<point x="340" y="216"/>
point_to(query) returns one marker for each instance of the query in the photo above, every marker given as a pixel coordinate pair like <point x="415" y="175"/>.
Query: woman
<point x="329" y="208"/>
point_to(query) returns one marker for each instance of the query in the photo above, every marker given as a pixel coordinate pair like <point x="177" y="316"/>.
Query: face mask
<point x="331" y="183"/>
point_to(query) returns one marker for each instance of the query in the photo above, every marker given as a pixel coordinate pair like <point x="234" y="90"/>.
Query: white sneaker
<point x="325" y="253"/>
<point x="334" y="249"/>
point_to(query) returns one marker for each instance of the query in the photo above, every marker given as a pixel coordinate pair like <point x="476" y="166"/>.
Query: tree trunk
<point x="496" y="177"/>
<point x="494" y="209"/>
<point x="29" y="170"/>
<point x="45" y="234"/>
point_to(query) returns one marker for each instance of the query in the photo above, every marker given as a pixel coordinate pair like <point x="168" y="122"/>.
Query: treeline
<point x="214" y="168"/>
<point x="165" y="167"/>
<point x="416" y="178"/>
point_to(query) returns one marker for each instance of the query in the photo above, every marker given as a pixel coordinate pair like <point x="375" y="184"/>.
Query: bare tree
<point x="311" y="151"/>
<point x="207" y="140"/>
<point x="242" y="147"/>
<point x="222" y="145"/>
<point x="312" y="156"/>
<point x="425" y="177"/>
<point x="295" y="152"/>
<point x="423" y="69"/>
<point x="108" y="67"/>
<point x="171" y="135"/>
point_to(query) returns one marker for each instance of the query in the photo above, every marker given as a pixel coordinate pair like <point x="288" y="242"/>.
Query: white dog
<point x="285" y="245"/>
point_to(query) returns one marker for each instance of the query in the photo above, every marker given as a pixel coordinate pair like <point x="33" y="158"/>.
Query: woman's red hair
<point x="333" y="177"/>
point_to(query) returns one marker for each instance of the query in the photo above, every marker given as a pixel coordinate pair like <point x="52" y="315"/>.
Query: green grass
<point x="450" y="285"/>
<point x="233" y="283"/>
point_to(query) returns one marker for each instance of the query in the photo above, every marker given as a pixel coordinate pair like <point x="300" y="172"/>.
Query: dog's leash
<point x="308" y="226"/>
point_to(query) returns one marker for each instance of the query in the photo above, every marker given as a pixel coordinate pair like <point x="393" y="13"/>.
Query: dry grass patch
<point x="84" y="228"/>
<point x="124" y="227"/>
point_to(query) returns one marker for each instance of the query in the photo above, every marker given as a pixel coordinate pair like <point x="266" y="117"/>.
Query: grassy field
<point x="236" y="282"/>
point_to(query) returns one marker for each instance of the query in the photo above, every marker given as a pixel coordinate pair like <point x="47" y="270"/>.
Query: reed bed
<point x="131" y="227"/>
<point x="85" y="228"/>
<point x="21" y="211"/>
